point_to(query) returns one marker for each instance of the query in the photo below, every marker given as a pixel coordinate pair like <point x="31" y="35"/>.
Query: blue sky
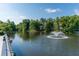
<point x="17" y="12"/>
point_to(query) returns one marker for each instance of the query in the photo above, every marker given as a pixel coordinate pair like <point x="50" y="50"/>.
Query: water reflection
<point x="11" y="35"/>
<point x="37" y="44"/>
<point x="73" y="42"/>
<point x="30" y="35"/>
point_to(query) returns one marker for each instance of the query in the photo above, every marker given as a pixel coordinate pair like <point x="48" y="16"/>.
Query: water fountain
<point x="57" y="35"/>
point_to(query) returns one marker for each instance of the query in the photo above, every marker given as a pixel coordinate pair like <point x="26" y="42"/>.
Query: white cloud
<point x="76" y="11"/>
<point x="49" y="10"/>
<point x="16" y="19"/>
<point x="23" y="17"/>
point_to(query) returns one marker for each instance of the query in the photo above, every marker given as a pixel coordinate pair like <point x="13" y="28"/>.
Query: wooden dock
<point x="5" y="46"/>
<point x="1" y="44"/>
<point x="9" y="51"/>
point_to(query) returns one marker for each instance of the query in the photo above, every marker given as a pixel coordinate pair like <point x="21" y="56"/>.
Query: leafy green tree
<point x="25" y="25"/>
<point x="49" y="25"/>
<point x="10" y="26"/>
<point x="35" y="25"/>
<point x="70" y="23"/>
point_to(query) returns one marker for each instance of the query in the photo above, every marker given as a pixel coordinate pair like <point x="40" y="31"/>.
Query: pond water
<point x="37" y="44"/>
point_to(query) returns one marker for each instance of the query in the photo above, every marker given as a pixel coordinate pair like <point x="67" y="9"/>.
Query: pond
<point x="37" y="44"/>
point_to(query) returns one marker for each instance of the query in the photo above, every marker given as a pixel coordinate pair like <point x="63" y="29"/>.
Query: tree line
<point x="67" y="24"/>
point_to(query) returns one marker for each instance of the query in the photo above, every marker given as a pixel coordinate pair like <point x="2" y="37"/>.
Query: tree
<point x="49" y="25"/>
<point x="70" y="23"/>
<point x="25" y="25"/>
<point x="35" y="25"/>
<point x="10" y="26"/>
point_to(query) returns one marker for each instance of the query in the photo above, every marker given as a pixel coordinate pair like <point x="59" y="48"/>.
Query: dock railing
<point x="9" y="51"/>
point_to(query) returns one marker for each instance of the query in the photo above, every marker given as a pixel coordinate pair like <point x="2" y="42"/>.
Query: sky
<point x="18" y="11"/>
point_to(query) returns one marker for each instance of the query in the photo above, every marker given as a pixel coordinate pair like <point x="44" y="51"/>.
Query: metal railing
<point x="9" y="51"/>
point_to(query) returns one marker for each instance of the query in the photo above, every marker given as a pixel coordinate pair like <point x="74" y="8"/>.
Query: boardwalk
<point x="1" y="44"/>
<point x="5" y="47"/>
<point x="8" y="47"/>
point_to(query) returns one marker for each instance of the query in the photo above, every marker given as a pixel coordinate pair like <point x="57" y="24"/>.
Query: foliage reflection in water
<point x="25" y="44"/>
